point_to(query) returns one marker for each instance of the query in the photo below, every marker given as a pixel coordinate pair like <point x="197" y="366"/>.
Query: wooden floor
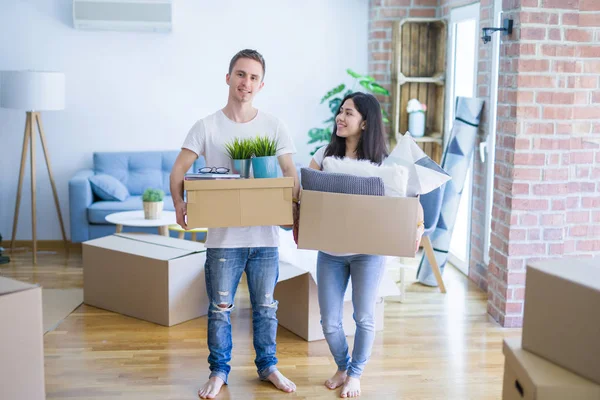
<point x="434" y="346"/>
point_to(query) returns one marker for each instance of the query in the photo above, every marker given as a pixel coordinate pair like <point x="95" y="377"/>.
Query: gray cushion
<point x="331" y="182"/>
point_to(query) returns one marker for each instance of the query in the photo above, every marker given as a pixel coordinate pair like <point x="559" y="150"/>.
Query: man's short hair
<point x="247" y="53"/>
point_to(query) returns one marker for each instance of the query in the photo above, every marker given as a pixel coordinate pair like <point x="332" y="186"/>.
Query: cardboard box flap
<point x="583" y="271"/>
<point x="231" y="184"/>
<point x="137" y="247"/>
<point x="195" y="247"/>
<point x="8" y="286"/>
<point x="537" y="372"/>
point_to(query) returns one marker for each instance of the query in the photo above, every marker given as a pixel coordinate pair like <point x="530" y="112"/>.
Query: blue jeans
<point x="224" y="268"/>
<point x="333" y="273"/>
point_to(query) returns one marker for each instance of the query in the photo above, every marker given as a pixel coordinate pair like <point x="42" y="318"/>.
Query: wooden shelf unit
<point x="419" y="71"/>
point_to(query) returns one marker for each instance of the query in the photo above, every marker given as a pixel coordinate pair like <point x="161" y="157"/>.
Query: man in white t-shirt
<point x="232" y="251"/>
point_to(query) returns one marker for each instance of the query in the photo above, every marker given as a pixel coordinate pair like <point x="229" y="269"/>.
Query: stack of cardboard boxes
<point x="558" y="356"/>
<point x="161" y="279"/>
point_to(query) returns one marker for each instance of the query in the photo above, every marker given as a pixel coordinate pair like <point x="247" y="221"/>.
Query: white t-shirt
<point x="318" y="157"/>
<point x="207" y="138"/>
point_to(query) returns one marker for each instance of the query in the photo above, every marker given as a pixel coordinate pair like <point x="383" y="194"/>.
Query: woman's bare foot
<point x="211" y="389"/>
<point x="351" y="387"/>
<point x="281" y="382"/>
<point x="336" y="380"/>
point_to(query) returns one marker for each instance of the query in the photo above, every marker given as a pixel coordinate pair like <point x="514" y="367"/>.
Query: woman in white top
<point x="358" y="133"/>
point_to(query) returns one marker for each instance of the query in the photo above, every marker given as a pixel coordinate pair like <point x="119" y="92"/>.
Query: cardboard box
<point x="527" y="376"/>
<point x="344" y="223"/>
<point x="21" y="341"/>
<point x="239" y="202"/>
<point x="150" y="277"/>
<point x="299" y="311"/>
<point x="561" y="320"/>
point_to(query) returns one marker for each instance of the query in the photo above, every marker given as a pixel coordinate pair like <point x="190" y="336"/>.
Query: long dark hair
<point x="371" y="144"/>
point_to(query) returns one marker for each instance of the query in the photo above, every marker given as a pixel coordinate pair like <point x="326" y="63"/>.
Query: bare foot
<point x="336" y="380"/>
<point x="211" y="389"/>
<point x="281" y="382"/>
<point x="351" y="387"/>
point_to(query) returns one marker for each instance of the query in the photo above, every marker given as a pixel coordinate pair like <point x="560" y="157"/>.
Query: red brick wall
<point x="547" y="196"/>
<point x="547" y="171"/>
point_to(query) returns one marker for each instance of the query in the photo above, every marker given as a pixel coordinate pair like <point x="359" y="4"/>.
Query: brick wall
<point x="547" y="171"/>
<point x="546" y="195"/>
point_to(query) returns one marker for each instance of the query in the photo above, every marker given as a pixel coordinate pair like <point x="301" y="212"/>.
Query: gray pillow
<point x="331" y="182"/>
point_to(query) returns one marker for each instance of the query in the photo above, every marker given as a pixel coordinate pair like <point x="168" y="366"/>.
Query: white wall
<point x="142" y="91"/>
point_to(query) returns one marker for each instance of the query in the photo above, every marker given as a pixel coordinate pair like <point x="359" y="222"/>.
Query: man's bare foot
<point x="281" y="382"/>
<point x="336" y="380"/>
<point x="351" y="387"/>
<point x="211" y="389"/>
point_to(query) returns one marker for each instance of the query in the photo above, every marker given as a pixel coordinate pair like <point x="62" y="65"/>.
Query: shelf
<point x="439" y="79"/>
<point x="419" y="72"/>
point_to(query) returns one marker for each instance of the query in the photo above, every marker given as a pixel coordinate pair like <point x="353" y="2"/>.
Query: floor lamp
<point x="33" y="91"/>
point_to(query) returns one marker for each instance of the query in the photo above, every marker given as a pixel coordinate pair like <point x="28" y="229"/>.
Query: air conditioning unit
<point x="123" y="15"/>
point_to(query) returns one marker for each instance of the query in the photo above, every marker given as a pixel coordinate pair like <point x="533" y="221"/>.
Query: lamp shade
<point x="32" y="90"/>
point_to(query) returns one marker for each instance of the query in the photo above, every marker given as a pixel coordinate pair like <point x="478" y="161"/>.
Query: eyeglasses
<point x="213" y="170"/>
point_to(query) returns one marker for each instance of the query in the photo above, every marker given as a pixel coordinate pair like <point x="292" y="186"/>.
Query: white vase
<point x="153" y="209"/>
<point x="416" y="123"/>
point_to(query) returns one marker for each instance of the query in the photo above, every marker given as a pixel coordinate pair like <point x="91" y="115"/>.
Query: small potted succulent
<point x="153" y="203"/>
<point x="264" y="162"/>
<point x="241" y="152"/>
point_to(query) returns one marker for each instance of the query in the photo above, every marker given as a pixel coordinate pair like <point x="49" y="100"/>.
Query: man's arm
<point x="286" y="162"/>
<point x="184" y="161"/>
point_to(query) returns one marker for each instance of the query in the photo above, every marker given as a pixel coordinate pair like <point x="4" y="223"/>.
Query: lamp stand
<point x="28" y="139"/>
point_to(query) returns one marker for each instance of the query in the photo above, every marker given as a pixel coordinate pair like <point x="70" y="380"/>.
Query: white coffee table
<point x="136" y="218"/>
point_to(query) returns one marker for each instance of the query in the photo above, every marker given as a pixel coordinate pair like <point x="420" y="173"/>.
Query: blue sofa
<point x="137" y="171"/>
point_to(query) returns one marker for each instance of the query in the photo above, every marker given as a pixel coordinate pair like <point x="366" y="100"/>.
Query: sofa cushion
<point x="98" y="211"/>
<point x="107" y="187"/>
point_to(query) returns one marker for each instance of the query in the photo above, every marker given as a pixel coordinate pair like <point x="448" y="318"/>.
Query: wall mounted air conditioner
<point x="123" y="15"/>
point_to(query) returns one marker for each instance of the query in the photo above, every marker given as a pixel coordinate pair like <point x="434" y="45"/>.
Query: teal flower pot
<point x="265" y="167"/>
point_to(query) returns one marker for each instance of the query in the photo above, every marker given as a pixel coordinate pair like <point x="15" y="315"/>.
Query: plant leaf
<point x="353" y="74"/>
<point x="330" y="120"/>
<point x="333" y="92"/>
<point x="334" y="105"/>
<point x="367" y="78"/>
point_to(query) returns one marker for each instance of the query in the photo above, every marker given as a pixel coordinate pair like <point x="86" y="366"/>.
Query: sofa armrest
<point x="80" y="198"/>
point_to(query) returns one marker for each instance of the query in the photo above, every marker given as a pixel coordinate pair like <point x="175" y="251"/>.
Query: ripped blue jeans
<point x="224" y="268"/>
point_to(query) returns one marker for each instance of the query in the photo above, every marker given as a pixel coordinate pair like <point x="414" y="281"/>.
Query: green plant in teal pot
<point x="264" y="163"/>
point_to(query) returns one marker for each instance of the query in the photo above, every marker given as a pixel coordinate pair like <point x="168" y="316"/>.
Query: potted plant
<point x="241" y="151"/>
<point x="264" y="162"/>
<point x="153" y="203"/>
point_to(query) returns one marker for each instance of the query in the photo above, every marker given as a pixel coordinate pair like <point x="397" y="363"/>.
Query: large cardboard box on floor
<point x="296" y="291"/>
<point x="561" y="320"/>
<point x="527" y="376"/>
<point x="239" y="202"/>
<point x="21" y="341"/>
<point x="150" y="277"/>
<point x="344" y="223"/>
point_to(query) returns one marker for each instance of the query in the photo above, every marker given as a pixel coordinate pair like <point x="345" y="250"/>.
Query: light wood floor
<point x="434" y="346"/>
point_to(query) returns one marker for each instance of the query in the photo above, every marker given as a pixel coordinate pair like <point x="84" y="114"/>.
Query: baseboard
<point x="41" y="245"/>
